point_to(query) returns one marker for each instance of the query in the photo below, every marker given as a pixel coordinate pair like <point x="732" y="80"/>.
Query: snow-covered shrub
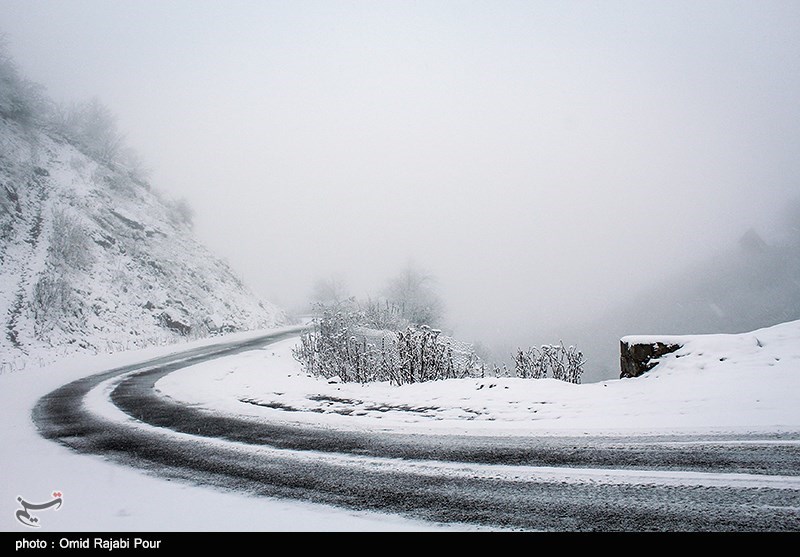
<point x="70" y="246"/>
<point x="427" y="355"/>
<point x="334" y="348"/>
<point x="92" y="127"/>
<point x="52" y="299"/>
<point x="383" y="314"/>
<point x="180" y="211"/>
<point x="560" y="362"/>
<point x="342" y="345"/>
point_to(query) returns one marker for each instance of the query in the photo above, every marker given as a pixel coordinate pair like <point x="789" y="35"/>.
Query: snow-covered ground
<point x="102" y="496"/>
<point x="714" y="384"/>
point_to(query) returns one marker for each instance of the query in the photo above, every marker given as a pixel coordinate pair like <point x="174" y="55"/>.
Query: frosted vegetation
<point x="342" y="347"/>
<point x="394" y="339"/>
<point x="550" y="360"/>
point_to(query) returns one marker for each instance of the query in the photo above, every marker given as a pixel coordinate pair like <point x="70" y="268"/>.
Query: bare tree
<point x="414" y="291"/>
<point x="330" y="291"/>
<point x="20" y="99"/>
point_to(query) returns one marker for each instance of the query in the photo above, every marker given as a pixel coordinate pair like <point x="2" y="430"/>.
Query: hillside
<point x="93" y="259"/>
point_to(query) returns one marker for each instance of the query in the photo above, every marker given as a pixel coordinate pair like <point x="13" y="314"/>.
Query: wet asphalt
<point x="496" y="502"/>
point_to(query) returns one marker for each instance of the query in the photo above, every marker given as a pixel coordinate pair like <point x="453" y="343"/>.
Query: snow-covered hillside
<point x="92" y="259"/>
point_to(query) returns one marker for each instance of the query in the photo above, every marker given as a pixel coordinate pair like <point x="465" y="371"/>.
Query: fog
<point x="547" y="162"/>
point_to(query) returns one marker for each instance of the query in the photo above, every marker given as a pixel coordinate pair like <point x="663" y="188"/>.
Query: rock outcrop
<point x="638" y="355"/>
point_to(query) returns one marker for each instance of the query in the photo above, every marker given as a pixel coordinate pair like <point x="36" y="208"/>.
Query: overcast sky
<point x="541" y="159"/>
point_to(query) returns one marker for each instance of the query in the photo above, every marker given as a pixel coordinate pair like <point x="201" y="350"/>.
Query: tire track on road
<point x="208" y="449"/>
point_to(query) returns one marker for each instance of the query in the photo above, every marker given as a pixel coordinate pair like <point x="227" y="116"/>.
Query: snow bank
<point x="713" y="384"/>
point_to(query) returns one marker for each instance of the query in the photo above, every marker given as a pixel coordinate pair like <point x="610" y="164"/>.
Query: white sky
<point x="542" y="159"/>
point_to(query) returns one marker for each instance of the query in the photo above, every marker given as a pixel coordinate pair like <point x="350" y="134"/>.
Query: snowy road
<point x="675" y="483"/>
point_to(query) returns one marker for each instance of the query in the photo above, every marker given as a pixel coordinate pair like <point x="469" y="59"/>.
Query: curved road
<point x="710" y="483"/>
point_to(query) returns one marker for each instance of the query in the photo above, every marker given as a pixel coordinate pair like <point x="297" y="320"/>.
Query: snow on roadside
<point x="103" y="496"/>
<point x="99" y="401"/>
<point x="714" y="384"/>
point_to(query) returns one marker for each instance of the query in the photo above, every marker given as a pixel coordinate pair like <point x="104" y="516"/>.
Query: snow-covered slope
<point x="92" y="259"/>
